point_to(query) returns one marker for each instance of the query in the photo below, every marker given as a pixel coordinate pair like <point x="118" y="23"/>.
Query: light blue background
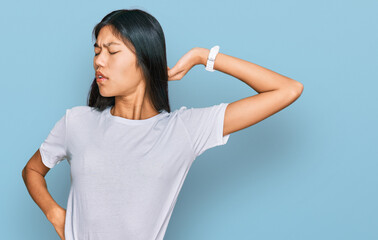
<point x="307" y="172"/>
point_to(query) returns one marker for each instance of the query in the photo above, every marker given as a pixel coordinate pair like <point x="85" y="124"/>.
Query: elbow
<point x="297" y="88"/>
<point x="300" y="89"/>
<point x="23" y="173"/>
<point x="294" y="87"/>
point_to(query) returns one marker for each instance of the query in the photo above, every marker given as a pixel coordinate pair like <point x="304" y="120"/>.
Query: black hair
<point x="143" y="35"/>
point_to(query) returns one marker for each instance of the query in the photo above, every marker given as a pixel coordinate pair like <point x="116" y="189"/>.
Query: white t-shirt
<point x="126" y="174"/>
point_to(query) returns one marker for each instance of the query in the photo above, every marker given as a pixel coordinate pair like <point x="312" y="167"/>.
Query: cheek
<point x="124" y="69"/>
<point x="122" y="76"/>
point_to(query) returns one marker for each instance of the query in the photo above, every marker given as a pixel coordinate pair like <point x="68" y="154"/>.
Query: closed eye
<point x="109" y="52"/>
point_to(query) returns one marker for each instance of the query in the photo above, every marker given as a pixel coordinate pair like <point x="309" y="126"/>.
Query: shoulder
<point x="178" y="113"/>
<point x="80" y="111"/>
<point x="201" y="113"/>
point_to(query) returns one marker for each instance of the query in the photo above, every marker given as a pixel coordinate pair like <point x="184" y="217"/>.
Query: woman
<point x="129" y="153"/>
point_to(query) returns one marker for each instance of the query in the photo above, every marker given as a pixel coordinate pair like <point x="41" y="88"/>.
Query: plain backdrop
<point x="307" y="172"/>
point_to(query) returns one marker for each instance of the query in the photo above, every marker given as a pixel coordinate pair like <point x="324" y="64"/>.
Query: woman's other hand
<point x="184" y="64"/>
<point x="57" y="217"/>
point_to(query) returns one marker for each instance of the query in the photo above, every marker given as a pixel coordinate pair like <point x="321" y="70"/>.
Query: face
<point x="118" y="64"/>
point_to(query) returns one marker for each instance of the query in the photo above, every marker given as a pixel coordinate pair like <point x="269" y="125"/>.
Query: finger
<point x="171" y="78"/>
<point x="174" y="77"/>
<point x="172" y="72"/>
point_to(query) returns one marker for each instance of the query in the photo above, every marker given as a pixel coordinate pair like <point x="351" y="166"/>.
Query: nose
<point x="99" y="61"/>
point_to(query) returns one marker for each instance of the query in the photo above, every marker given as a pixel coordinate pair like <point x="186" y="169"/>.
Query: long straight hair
<point x="143" y="35"/>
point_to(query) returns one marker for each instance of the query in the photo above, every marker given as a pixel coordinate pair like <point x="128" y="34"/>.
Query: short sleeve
<point x="205" y="126"/>
<point x="53" y="149"/>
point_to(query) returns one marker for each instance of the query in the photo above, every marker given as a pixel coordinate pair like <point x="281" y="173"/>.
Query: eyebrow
<point x="105" y="45"/>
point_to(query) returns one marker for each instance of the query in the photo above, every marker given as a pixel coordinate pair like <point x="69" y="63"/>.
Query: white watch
<point x="211" y="58"/>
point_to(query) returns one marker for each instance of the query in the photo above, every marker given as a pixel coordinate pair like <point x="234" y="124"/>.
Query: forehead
<point x="106" y="38"/>
<point x="106" y="31"/>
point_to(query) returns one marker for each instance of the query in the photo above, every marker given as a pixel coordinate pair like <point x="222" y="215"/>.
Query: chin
<point x="105" y="94"/>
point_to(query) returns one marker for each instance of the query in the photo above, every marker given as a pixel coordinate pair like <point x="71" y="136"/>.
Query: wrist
<point x="52" y="212"/>
<point x="201" y="55"/>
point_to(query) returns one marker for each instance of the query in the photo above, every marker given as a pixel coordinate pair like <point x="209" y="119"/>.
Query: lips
<point x="101" y="80"/>
<point x="100" y="77"/>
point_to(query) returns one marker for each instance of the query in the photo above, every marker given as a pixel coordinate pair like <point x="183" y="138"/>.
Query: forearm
<point x="259" y="78"/>
<point x="37" y="187"/>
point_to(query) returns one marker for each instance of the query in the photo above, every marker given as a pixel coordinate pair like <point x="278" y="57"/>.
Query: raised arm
<point x="275" y="91"/>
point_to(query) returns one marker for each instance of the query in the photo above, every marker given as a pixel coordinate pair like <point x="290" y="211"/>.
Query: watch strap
<point x="211" y="58"/>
